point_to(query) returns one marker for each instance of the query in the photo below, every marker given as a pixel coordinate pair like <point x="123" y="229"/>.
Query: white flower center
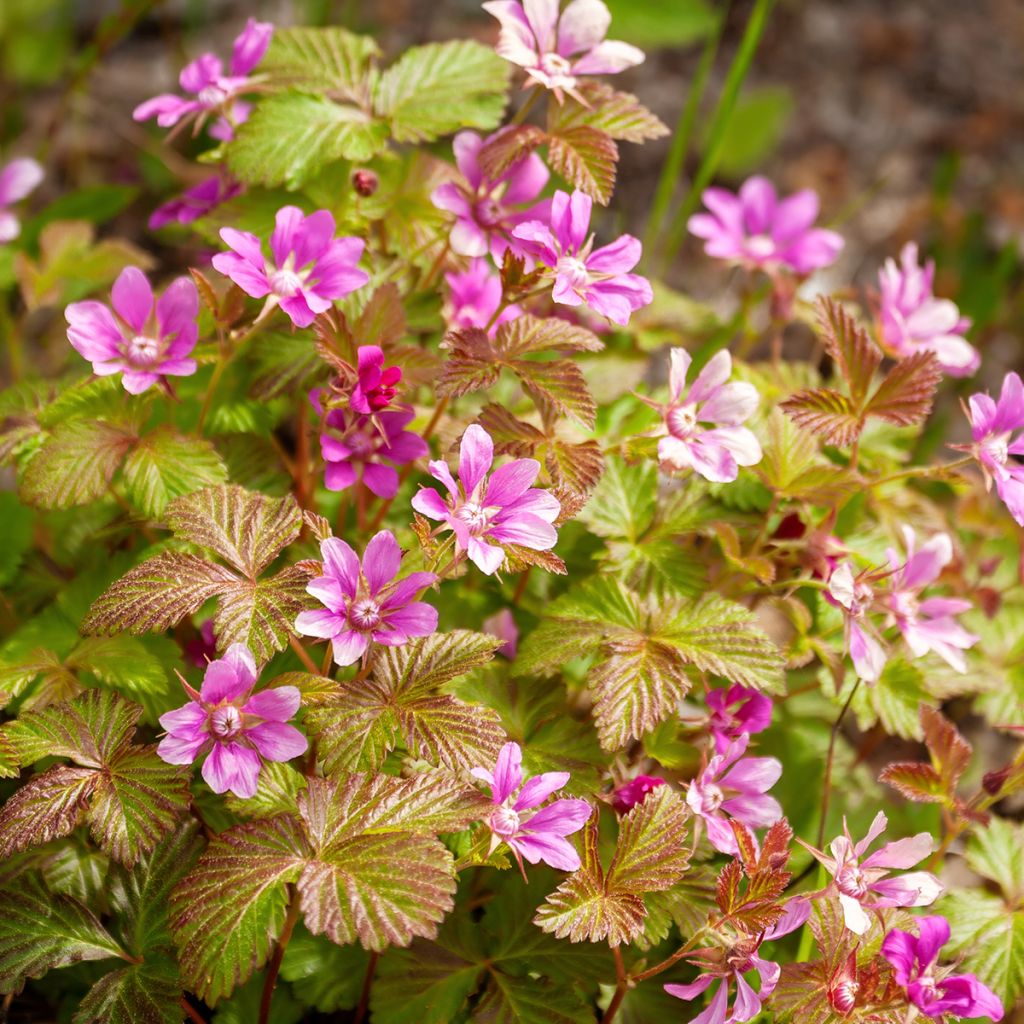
<point x="904" y="605"/>
<point x="226" y="722"/>
<point x="143" y="350"/>
<point x="504" y="822"/>
<point x="475" y="516"/>
<point x="489" y="212"/>
<point x="364" y="613"/>
<point x="760" y="246"/>
<point x="998" y="447"/>
<point x="212" y="96"/>
<point x="575" y="270"/>
<point x="713" y="797"/>
<point x="285" y="282"/>
<point x="850" y="881"/>
<point x="681" y="420"/>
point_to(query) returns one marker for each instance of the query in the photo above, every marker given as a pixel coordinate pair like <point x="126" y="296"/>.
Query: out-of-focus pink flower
<point x="503" y="626"/>
<point x="537" y="836"/>
<point x="487" y="210"/>
<point x="196" y="202"/>
<point x="17" y="180"/>
<point x="145" y="341"/>
<point x="310" y="267"/>
<point x="598" y="278"/>
<point x="703" y="422"/>
<point x="914" y="320"/>
<point x="758" y="229"/>
<point x="855" y="596"/>
<point x="210" y="89"/>
<point x="634" y="792"/>
<point x="236" y="726"/>
<point x="927" y="625"/>
<point x="730" y="968"/>
<point x="736" y="712"/>
<point x="734" y="786"/>
<point x="914" y="958"/>
<point x="502" y="508"/>
<point x="203" y="649"/>
<point x="363" y="602"/>
<point x="996" y="428"/>
<point x="474" y="296"/>
<point x="555" y="49"/>
<point x="862" y="884"/>
<point x="376" y="383"/>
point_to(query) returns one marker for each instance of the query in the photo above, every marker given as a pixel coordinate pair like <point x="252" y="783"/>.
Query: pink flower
<point x="213" y="91"/>
<point x="855" y="596"/>
<point x="598" y="279"/>
<point x="758" y="229"/>
<point x="502" y="508"/>
<point x="914" y="320"/>
<point x="554" y="48"/>
<point x="375" y="384"/>
<point x="236" y="726"/>
<point x="503" y="626"/>
<point x="862" y="885"/>
<point x="487" y="210"/>
<point x="734" y="786"/>
<point x="196" y="202"/>
<point x="927" y="625"/>
<point x="201" y="650"/>
<point x="364" y="602"/>
<point x="17" y="179"/>
<point x="703" y="422"/>
<point x="144" y="342"/>
<point x="474" y="296"/>
<point x="914" y="958"/>
<point x="993" y="426"/>
<point x="736" y="712"/>
<point x="634" y="792"/>
<point x="537" y="836"/>
<point x="310" y="268"/>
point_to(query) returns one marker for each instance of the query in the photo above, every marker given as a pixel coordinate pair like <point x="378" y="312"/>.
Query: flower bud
<point x="364" y="181"/>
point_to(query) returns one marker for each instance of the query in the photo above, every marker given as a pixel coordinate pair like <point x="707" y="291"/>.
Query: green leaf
<point x="754" y="130"/>
<point x="994" y="851"/>
<point x="624" y="502"/>
<point x="437" y="89"/>
<point x="585" y="157"/>
<point x="331" y="60"/>
<point x="618" y="114"/>
<point x="165" y="465"/>
<point x="894" y="700"/>
<point x="323" y="975"/>
<point x="18" y="521"/>
<point x="662" y="23"/>
<point x="990" y="936"/>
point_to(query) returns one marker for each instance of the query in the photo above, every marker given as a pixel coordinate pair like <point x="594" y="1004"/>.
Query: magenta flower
<point x="914" y="320"/>
<point x="364" y="603"/>
<point x="144" y="341"/>
<point x="927" y="625"/>
<point x="703" y="422"/>
<point x="211" y="90"/>
<point x="555" y="49"/>
<point x="855" y="596"/>
<point x="196" y="202"/>
<point x="376" y="384"/>
<point x="234" y="725"/>
<point x="487" y="210"/>
<point x="201" y="650"/>
<point x="862" y="884"/>
<point x="17" y="180"/>
<point x="540" y="835"/>
<point x="736" y="712"/>
<point x="993" y="426"/>
<point x="634" y="792"/>
<point x="503" y="626"/>
<point x="734" y="786"/>
<point x="914" y="959"/>
<point x="502" y="508"/>
<point x="758" y="229"/>
<point x="474" y="296"/>
<point x="310" y="267"/>
<point x="583" y="276"/>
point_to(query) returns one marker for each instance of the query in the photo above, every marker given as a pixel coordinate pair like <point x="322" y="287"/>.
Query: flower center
<point x="713" y="797"/>
<point x="850" y="881"/>
<point x="927" y="986"/>
<point x="143" y="350"/>
<point x="575" y="270"/>
<point x="212" y="95"/>
<point x="904" y="605"/>
<point x="557" y="67"/>
<point x="475" y="516"/>
<point x="489" y="212"/>
<point x="681" y="420"/>
<point x="226" y="722"/>
<point x="285" y="282"/>
<point x="760" y="246"/>
<point x="504" y="822"/>
<point x="364" y="613"/>
<point x="997" y="447"/>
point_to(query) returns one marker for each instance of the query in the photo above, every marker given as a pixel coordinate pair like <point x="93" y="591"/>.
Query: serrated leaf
<point x="507" y="147"/>
<point x="905" y="395"/>
<point x="916" y="781"/>
<point x="825" y="412"/>
<point x="165" y="465"/>
<point x="994" y="852"/>
<point x="894" y="700"/>
<point x="585" y="157"/>
<point x="856" y="354"/>
<point x="327" y="59"/>
<point x="527" y="334"/>
<point x="618" y="114"/>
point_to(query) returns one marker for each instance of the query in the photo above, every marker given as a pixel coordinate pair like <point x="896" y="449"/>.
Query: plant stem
<point x="275" y="961"/>
<point x="360" y="506"/>
<point x="922" y="472"/>
<point x="303" y="656"/>
<point x="364" y="995"/>
<point x="191" y="1012"/>
<point x="621" y="987"/>
<point x="669" y="961"/>
<point x="826" y="788"/>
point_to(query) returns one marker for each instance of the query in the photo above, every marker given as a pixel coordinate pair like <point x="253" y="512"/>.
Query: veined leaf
<point x="994" y="852"/>
<point x="905" y="395"/>
<point x="618" y="114"/>
<point x="827" y="413"/>
<point x="330" y="59"/>
<point x="508" y="147"/>
<point x="164" y="465"/>
<point x="856" y="355"/>
<point x="585" y="157"/>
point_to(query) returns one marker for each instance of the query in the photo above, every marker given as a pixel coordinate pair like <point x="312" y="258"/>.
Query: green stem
<point x="826" y="787"/>
<point x="922" y="472"/>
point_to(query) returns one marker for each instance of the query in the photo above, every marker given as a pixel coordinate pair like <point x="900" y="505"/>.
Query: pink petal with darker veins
<point x="555" y="851"/>
<point x="275" y="705"/>
<point x="230" y="766"/>
<point x="277" y="741"/>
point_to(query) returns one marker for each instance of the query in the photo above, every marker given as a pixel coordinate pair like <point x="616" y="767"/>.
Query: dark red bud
<point x="364" y="181"/>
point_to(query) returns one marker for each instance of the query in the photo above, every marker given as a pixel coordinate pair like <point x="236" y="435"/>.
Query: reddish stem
<point x="364" y="996"/>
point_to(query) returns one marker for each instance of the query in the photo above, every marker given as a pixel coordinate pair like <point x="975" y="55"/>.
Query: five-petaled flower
<point x="758" y="229"/>
<point x="196" y="202"/>
<point x="363" y="602"/>
<point x="703" y="423"/>
<point x="235" y="726"/>
<point x="913" y="320"/>
<point x="486" y="210"/>
<point x="310" y="267"/>
<point x="997" y="429"/>
<point x="211" y="90"/>
<point x="502" y="508"/>
<point x="854" y="594"/>
<point x="914" y="959"/>
<point x="17" y="180"/>
<point x="144" y="341"/>
<point x="556" y="48"/>
<point x="862" y="885"/>
<point x="536" y="835"/>
<point x="735" y="712"/>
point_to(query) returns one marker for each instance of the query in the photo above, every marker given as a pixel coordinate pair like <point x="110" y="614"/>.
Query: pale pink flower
<point x="856" y="596"/>
<point x="758" y="229"/>
<point x="629" y="794"/>
<point x="862" y="885"/>
<point x="196" y="202"/>
<point x="474" y="296"/>
<point x="17" y="180"/>
<point x="503" y="626"/>
<point x="913" y="320"/>
<point x="597" y="278"/>
<point x="143" y="340"/>
<point x="501" y="508"/>
<point x="998" y="432"/>
<point x="536" y="835"/>
<point x="703" y="423"/>
<point x="234" y="725"/>
<point x="736" y="712"/>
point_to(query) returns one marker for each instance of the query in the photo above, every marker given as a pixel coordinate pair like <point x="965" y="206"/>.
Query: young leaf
<point x="164" y="465"/>
<point x="585" y="157"/>
<point x="905" y="395"/>
<point x="509" y="146"/>
<point x="618" y="114"/>
<point x="936" y="782"/>
<point x="826" y="413"/>
<point x="856" y="355"/>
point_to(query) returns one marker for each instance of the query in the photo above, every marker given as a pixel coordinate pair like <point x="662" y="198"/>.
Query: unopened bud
<point x="364" y="181"/>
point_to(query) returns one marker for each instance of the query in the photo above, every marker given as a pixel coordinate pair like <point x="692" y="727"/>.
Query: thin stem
<point x="361" y="491"/>
<point x="669" y="961"/>
<point x="826" y="788"/>
<point x="922" y="472"/>
<point x="364" y="995"/>
<point x="303" y="656"/>
<point x="274" y="966"/>
<point x="218" y="372"/>
<point x="191" y="1012"/>
<point x="621" y="987"/>
<point x="531" y="99"/>
<point x="524" y="579"/>
<point x="439" y="411"/>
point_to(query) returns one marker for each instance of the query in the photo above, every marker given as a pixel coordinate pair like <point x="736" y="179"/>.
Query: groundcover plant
<point x="416" y="612"/>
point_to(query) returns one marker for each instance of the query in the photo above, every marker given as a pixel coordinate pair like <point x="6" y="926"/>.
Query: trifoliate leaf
<point x="164" y="465"/>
